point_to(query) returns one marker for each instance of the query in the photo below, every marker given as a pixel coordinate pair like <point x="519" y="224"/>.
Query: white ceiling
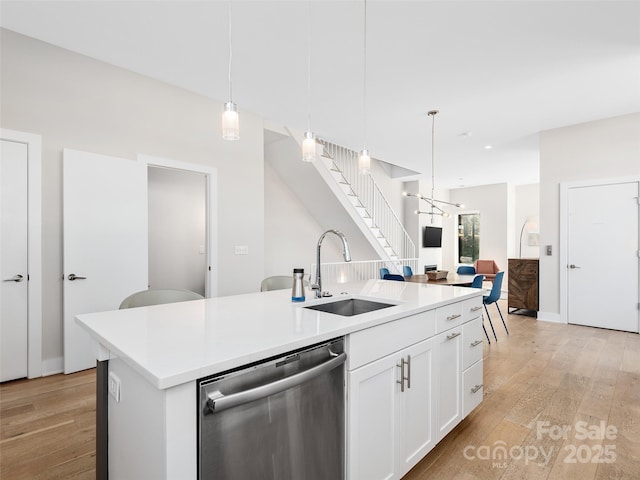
<point x="502" y="71"/>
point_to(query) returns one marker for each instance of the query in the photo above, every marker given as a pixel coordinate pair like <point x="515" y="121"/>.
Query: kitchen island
<point x="157" y="354"/>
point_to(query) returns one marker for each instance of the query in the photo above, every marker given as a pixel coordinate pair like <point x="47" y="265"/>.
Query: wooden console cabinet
<point x="523" y="284"/>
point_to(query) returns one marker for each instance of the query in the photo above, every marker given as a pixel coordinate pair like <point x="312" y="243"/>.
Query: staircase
<point x="366" y="204"/>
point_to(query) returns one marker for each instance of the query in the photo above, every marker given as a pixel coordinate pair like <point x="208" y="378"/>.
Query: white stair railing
<point x="370" y="201"/>
<point x="343" y="272"/>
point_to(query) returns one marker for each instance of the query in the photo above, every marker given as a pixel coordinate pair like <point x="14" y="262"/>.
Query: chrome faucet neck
<point x="345" y="253"/>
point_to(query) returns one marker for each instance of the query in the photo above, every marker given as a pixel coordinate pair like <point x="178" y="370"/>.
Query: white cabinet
<point x="410" y="382"/>
<point x="390" y="413"/>
<point x="472" y="386"/>
<point x="449" y="399"/>
<point x="472" y="339"/>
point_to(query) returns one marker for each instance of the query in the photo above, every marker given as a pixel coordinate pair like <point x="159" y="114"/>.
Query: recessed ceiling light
<point x="488" y="147"/>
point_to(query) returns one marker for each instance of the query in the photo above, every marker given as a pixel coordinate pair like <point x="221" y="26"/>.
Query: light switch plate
<point x="114" y="386"/>
<point x="242" y="250"/>
<point x="549" y="250"/>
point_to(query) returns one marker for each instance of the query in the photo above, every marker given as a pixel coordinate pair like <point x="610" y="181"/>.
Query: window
<point x="468" y="237"/>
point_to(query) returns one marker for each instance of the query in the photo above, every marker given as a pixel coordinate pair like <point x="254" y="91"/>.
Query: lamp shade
<point x="309" y="147"/>
<point x="230" y="122"/>
<point x="364" y="161"/>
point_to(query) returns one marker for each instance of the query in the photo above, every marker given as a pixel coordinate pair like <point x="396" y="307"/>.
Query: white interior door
<point x="105" y="242"/>
<point x="13" y="261"/>
<point x="602" y="256"/>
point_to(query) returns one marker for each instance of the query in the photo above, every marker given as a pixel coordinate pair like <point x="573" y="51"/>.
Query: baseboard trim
<point x="52" y="366"/>
<point x="551" y="317"/>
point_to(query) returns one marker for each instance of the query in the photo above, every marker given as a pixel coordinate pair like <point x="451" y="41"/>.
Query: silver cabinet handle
<point x="402" y="377"/>
<point x="73" y="276"/>
<point x="408" y="371"/>
<point x="572" y="266"/>
<point x="218" y="401"/>
<point x="451" y="336"/>
<point x="476" y="388"/>
<point x="15" y="278"/>
<point x="476" y="343"/>
<point x="475" y="309"/>
<point x="453" y="317"/>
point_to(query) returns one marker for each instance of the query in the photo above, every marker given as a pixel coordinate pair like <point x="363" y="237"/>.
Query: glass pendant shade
<point x="309" y="147"/>
<point x="230" y="122"/>
<point x="364" y="161"/>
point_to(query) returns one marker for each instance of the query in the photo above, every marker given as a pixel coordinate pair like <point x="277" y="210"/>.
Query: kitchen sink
<point x="350" y="307"/>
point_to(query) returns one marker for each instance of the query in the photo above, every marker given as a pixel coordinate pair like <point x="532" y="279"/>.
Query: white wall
<point x="80" y="103"/>
<point x="601" y="149"/>
<point x="177" y="229"/>
<point x="492" y="201"/>
<point x="527" y="214"/>
<point x="290" y="232"/>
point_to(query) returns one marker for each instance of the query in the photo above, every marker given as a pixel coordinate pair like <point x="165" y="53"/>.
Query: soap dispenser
<point x="297" y="290"/>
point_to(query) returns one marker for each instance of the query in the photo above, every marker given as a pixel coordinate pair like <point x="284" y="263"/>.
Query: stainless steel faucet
<point x="317" y="286"/>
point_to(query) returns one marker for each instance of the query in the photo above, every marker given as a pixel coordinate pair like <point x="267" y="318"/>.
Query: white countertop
<point x="177" y="343"/>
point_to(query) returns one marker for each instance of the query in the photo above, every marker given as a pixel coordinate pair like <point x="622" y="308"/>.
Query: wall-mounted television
<point x="432" y="237"/>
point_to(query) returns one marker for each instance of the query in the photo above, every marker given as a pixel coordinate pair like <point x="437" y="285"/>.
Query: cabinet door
<point x="472" y="388"/>
<point x="449" y="407"/>
<point x="417" y="429"/>
<point x="372" y="434"/>
<point x="472" y="339"/>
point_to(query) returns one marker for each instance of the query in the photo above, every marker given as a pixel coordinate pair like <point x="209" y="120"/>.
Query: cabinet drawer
<point x="376" y="342"/>
<point x="472" y="388"/>
<point x="472" y="341"/>
<point x="472" y="308"/>
<point x="449" y="316"/>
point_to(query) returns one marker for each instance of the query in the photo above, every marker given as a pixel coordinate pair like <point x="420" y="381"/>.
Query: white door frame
<point x="564" y="231"/>
<point x="211" y="175"/>
<point x="34" y="247"/>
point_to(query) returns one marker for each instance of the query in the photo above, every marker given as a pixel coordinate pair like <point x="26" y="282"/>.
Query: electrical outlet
<point x="242" y="250"/>
<point x="114" y="386"/>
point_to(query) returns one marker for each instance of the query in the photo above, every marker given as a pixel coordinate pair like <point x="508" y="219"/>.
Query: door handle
<point x="73" y="276"/>
<point x="402" y="377"/>
<point x="572" y="266"/>
<point x="15" y="278"/>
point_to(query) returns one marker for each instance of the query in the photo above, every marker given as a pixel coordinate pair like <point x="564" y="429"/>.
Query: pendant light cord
<point x="364" y="76"/>
<point x="309" y="66"/>
<point x="432" y="114"/>
<point x="230" y="53"/>
<point x="433" y="167"/>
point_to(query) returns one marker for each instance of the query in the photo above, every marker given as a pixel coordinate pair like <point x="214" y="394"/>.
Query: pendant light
<point x="364" y="160"/>
<point x="431" y="201"/>
<point x="309" y="143"/>
<point x="230" y="119"/>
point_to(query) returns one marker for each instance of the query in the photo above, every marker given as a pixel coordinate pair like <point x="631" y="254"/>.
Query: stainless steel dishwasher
<point x="282" y="419"/>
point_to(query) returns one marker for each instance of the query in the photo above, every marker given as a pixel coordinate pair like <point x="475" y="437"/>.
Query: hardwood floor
<point x="47" y="427"/>
<point x="538" y="379"/>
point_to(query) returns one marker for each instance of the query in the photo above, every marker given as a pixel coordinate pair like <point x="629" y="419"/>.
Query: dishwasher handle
<point x="218" y="401"/>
